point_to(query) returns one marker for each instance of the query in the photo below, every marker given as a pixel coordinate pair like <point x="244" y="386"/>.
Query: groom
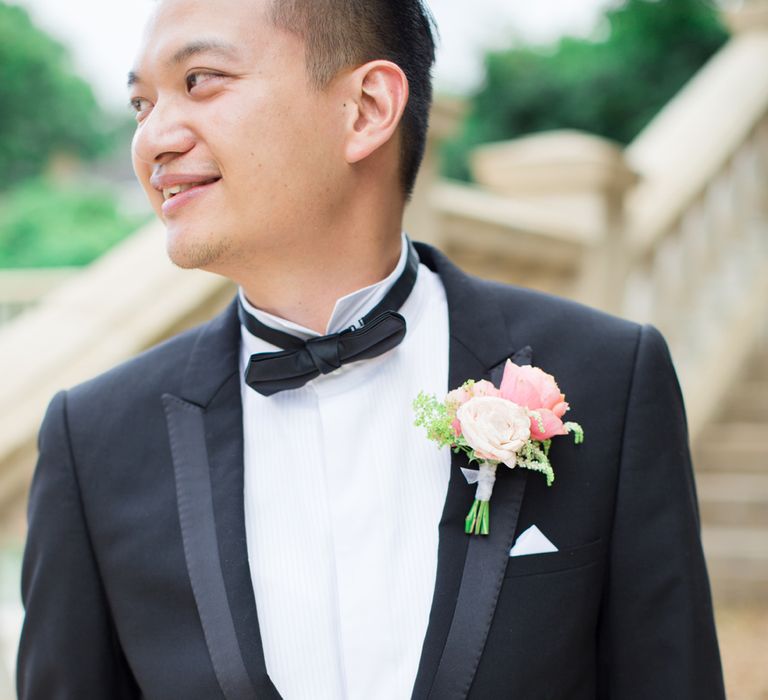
<point x="247" y="511"/>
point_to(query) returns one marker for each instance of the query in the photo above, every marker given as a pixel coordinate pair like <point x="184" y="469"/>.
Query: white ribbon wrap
<point x="484" y="477"/>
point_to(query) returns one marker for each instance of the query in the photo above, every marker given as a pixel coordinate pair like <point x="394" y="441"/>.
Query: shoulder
<point x="551" y="312"/>
<point x="160" y="369"/>
<point x="527" y="310"/>
<point x="587" y="346"/>
<point x="566" y="337"/>
<point x="546" y="320"/>
<point x="107" y="407"/>
<point x="160" y="366"/>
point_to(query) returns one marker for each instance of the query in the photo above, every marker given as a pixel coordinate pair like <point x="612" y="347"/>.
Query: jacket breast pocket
<point x="548" y="606"/>
<point x="551" y="562"/>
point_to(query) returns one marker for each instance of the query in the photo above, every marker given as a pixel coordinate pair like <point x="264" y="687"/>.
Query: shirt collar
<point x="347" y="311"/>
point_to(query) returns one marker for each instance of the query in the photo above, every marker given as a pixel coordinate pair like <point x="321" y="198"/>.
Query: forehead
<point x="175" y="24"/>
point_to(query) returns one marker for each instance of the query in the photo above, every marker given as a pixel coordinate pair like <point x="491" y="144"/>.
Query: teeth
<point x="178" y="189"/>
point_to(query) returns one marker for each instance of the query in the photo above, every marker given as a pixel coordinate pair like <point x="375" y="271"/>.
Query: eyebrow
<point x="193" y="48"/>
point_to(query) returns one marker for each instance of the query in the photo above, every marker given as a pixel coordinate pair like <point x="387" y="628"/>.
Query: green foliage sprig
<point x="435" y="417"/>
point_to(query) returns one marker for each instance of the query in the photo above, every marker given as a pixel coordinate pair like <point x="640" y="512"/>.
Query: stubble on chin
<point x="196" y="255"/>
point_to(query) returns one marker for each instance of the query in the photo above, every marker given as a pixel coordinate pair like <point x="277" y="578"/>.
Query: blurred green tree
<point x="46" y="112"/>
<point x="45" y="109"/>
<point x="612" y="86"/>
<point x="47" y="224"/>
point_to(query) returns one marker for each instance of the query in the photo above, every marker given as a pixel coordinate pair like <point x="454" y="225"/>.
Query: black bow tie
<point x="380" y="330"/>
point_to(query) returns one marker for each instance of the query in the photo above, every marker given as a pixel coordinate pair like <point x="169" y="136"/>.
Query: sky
<point x="103" y="36"/>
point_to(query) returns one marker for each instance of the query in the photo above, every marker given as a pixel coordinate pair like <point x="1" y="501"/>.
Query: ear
<point x="379" y="95"/>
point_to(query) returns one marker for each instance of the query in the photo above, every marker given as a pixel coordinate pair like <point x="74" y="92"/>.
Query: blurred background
<point x="613" y="152"/>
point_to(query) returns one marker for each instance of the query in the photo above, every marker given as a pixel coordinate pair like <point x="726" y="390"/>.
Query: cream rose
<point x="494" y="428"/>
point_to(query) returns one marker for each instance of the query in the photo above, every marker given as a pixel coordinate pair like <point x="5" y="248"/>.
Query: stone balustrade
<point x="697" y="222"/>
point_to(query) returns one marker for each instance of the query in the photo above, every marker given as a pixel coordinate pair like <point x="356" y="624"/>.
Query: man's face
<point x="228" y="121"/>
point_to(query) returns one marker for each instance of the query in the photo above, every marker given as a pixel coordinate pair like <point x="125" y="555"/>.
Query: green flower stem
<point x="477" y="521"/>
<point x="471" y="519"/>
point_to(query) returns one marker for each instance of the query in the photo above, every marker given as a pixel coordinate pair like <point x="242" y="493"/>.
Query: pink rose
<point x="494" y="428"/>
<point x="484" y="388"/>
<point x="460" y="396"/>
<point x="537" y="391"/>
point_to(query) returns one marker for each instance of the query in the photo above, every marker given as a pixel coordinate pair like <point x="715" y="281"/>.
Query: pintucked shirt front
<point x="343" y="497"/>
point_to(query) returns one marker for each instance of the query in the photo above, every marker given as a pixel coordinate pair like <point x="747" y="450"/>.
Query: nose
<point x="163" y="134"/>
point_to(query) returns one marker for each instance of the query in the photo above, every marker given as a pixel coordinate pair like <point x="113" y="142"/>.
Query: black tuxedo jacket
<point x="136" y="578"/>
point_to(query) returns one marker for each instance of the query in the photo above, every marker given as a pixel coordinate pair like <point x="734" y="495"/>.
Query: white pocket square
<point x="532" y="541"/>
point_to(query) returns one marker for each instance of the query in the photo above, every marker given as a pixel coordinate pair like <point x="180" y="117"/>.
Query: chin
<point x="188" y="253"/>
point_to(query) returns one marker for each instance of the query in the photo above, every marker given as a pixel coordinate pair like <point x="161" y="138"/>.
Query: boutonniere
<point x="513" y="425"/>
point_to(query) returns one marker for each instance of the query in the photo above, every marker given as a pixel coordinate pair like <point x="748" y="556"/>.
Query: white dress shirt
<point x="343" y="496"/>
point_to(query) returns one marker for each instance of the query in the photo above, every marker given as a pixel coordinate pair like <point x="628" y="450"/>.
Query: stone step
<point x="733" y="447"/>
<point x="746" y="401"/>
<point x="737" y="559"/>
<point x="733" y="499"/>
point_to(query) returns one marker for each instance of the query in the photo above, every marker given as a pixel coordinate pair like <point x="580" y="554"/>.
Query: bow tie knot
<point x="324" y="352"/>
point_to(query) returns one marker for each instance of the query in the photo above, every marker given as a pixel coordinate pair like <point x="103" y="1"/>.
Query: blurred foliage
<point x="44" y="107"/>
<point x="45" y="224"/>
<point x="49" y="114"/>
<point x="611" y="87"/>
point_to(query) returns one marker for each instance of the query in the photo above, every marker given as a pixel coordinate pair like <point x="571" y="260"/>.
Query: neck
<point x="309" y="285"/>
<point x="349" y="241"/>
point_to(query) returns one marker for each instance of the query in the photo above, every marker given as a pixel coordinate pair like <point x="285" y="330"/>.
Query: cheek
<point x="265" y="159"/>
<point x="275" y="158"/>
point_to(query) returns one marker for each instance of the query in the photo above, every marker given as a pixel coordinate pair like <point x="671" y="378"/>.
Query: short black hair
<point x="341" y="33"/>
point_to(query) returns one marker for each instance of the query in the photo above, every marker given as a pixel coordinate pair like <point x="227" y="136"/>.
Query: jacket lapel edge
<point x="195" y="505"/>
<point x="478" y="594"/>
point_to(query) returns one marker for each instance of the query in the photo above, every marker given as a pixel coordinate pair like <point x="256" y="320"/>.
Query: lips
<point x="176" y="194"/>
<point x="173" y="191"/>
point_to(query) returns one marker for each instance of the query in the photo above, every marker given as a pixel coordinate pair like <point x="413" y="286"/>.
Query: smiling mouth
<point x="171" y="192"/>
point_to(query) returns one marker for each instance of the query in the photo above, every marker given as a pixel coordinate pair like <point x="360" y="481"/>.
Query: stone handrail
<point x="696" y="136"/>
<point x="128" y="300"/>
<point x="23" y="288"/>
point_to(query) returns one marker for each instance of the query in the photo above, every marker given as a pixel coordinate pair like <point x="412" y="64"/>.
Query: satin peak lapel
<point x="470" y="569"/>
<point x="205" y="428"/>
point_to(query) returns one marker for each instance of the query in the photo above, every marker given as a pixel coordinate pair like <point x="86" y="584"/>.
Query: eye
<point x="199" y="78"/>
<point x="140" y="107"/>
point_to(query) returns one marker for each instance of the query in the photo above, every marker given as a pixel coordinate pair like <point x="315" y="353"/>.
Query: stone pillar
<point x="582" y="177"/>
